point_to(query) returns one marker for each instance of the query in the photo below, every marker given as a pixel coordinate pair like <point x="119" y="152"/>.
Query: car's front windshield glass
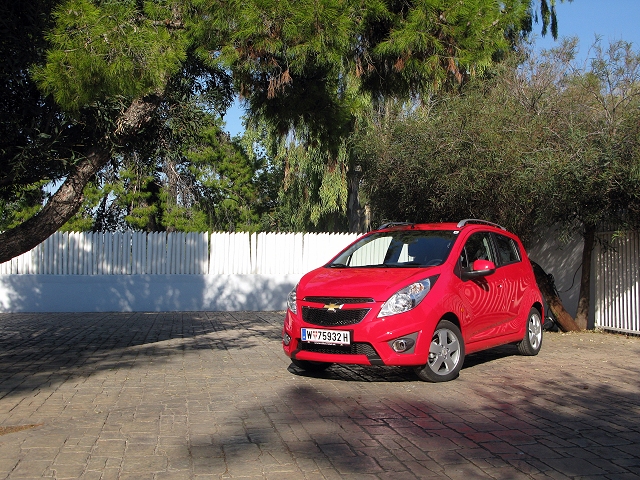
<point x="398" y="249"/>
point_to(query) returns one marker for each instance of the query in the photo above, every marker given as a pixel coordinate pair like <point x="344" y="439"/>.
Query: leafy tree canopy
<point x="542" y="141"/>
<point x="101" y="82"/>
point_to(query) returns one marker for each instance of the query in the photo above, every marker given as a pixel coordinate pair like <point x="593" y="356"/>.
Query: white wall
<point x="161" y="253"/>
<point x="140" y="293"/>
<point x="134" y="271"/>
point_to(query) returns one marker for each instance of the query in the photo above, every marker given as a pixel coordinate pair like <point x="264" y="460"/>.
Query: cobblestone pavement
<point x="211" y="395"/>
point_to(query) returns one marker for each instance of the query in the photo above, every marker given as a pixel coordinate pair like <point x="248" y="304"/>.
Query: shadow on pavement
<point x="40" y="349"/>
<point x="514" y="428"/>
<point x="366" y="373"/>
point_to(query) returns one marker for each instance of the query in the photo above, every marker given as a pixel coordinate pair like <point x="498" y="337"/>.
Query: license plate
<point x="331" y="337"/>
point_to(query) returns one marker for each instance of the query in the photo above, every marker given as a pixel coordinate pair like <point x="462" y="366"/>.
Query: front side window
<point x="478" y="247"/>
<point x="508" y="251"/>
<point x="398" y="249"/>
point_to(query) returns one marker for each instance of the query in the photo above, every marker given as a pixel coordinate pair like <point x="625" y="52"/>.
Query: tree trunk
<point x="60" y="208"/>
<point x="582" y="315"/>
<point x="548" y="289"/>
<point x="68" y="199"/>
<point x="354" y="209"/>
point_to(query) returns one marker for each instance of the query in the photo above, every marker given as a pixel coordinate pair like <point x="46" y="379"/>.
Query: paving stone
<point x="145" y="464"/>
<point x="68" y="471"/>
<point x="30" y="468"/>
<point x="210" y="395"/>
<point x="574" y="466"/>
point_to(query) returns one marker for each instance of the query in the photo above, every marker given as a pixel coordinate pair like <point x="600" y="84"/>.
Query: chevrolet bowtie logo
<point x="332" y="307"/>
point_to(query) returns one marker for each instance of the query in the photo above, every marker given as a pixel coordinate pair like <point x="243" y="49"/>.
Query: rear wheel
<point x="532" y="341"/>
<point x="446" y="354"/>
<point x="310" y="366"/>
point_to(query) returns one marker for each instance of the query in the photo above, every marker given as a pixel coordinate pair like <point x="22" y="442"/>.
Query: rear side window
<point x="508" y="251"/>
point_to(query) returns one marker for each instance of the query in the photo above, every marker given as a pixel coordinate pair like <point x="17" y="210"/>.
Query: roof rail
<point x="462" y="223"/>
<point x="394" y="224"/>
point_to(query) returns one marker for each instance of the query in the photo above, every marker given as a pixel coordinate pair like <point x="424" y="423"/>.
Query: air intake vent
<point x="333" y="318"/>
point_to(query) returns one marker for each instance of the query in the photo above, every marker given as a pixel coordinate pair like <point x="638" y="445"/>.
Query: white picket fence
<point x="617" y="279"/>
<point x="53" y="272"/>
<point x="161" y="253"/>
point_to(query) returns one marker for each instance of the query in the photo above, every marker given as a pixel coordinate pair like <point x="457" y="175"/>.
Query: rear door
<point x="512" y="277"/>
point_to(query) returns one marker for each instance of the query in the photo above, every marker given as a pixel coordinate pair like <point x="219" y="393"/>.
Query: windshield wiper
<point x="338" y="265"/>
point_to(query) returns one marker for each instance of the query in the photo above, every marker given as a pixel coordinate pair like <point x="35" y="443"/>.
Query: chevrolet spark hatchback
<point x="416" y="295"/>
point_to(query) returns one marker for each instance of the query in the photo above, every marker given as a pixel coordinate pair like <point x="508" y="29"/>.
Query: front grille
<point x="337" y="318"/>
<point x="353" y="349"/>
<point x="339" y="300"/>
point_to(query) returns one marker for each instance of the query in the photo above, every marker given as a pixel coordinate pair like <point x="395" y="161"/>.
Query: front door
<point x="484" y="296"/>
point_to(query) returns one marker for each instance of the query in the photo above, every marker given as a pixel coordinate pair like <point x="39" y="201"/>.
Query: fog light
<point x="402" y="344"/>
<point x="286" y="339"/>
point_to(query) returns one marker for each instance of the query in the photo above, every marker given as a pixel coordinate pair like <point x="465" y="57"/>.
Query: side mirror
<point x="480" y="268"/>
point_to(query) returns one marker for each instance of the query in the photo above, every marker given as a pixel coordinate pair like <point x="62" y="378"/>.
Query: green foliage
<point x="204" y="182"/>
<point x="543" y="12"/>
<point x="313" y="192"/>
<point x="439" y="43"/>
<point x="310" y="70"/>
<point x="227" y="182"/>
<point x="23" y="206"/>
<point x="84" y="221"/>
<point x="110" y="49"/>
<point x="542" y="143"/>
<point x="37" y="141"/>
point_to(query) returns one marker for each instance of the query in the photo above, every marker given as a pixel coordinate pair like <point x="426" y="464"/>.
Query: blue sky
<point x="612" y="20"/>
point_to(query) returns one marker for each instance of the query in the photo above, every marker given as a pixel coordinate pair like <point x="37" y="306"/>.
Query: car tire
<point x="309" y="366"/>
<point x="532" y="341"/>
<point x="446" y="354"/>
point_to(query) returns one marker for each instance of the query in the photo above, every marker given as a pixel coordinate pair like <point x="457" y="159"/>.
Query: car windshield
<point x="398" y="249"/>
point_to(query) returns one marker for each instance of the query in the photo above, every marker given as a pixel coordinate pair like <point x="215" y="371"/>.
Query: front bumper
<point x="371" y="337"/>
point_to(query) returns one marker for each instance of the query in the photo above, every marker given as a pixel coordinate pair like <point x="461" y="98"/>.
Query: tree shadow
<point x="515" y="426"/>
<point x="39" y="349"/>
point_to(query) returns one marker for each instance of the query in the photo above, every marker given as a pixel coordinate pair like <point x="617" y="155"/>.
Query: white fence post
<point x="253" y="263"/>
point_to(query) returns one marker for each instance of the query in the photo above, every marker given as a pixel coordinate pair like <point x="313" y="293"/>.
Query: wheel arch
<point x="524" y="314"/>
<point x="453" y="318"/>
<point x="424" y="342"/>
<point x="538" y="306"/>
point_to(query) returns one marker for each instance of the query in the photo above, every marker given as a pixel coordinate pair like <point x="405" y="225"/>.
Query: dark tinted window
<point x="507" y="250"/>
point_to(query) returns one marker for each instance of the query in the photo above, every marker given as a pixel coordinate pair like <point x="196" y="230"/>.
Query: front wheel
<point x="446" y="354"/>
<point x="532" y="341"/>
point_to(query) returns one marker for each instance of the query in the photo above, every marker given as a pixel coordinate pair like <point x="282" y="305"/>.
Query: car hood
<point x="376" y="283"/>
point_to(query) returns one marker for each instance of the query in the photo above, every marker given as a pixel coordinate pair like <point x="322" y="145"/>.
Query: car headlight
<point x="407" y="298"/>
<point x="291" y="300"/>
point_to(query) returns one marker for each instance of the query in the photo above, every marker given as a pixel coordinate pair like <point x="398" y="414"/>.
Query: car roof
<point x="462" y="224"/>
<point x="421" y="226"/>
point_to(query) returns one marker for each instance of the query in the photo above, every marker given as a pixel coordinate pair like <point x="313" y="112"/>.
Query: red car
<point x="417" y="295"/>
